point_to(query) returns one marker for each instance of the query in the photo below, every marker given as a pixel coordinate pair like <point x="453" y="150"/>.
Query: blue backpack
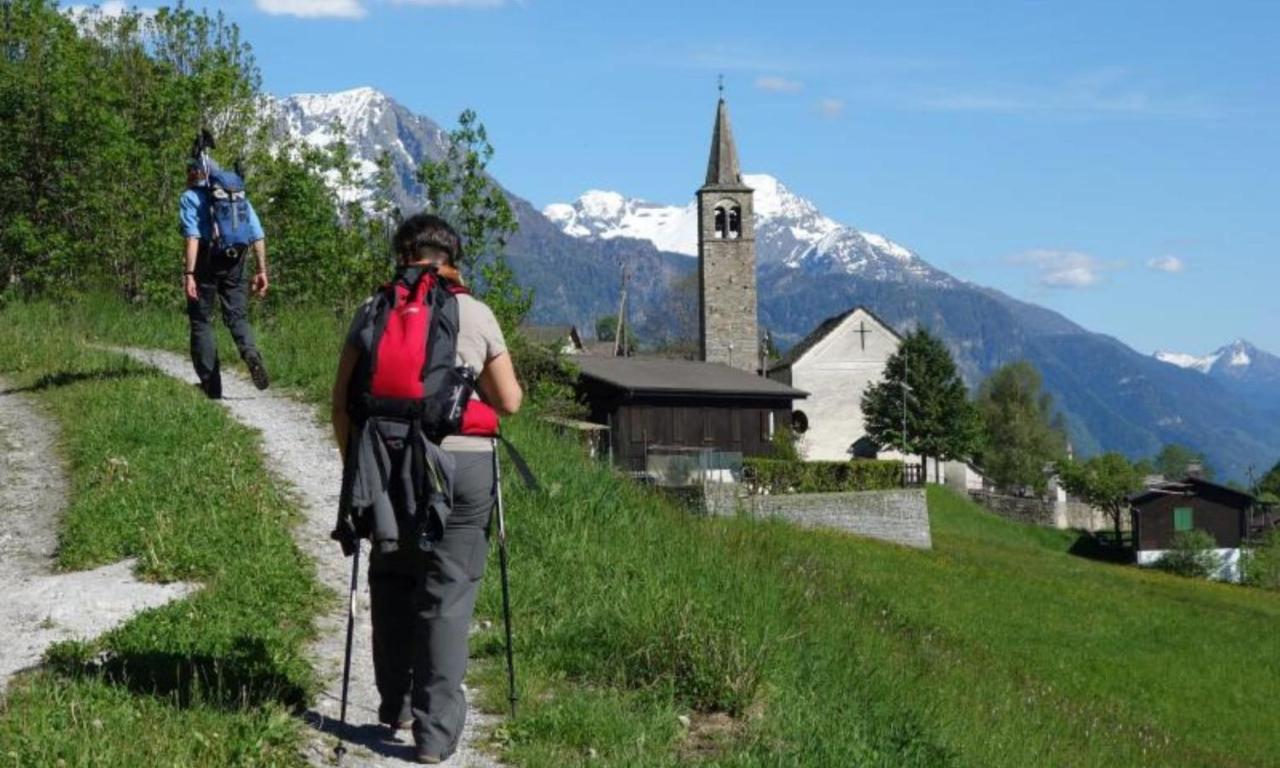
<point x="232" y="232"/>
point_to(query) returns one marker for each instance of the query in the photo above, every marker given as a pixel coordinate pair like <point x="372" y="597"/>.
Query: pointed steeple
<point x="722" y="166"/>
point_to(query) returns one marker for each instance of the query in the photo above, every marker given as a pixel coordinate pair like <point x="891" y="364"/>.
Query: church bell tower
<point x="727" y="257"/>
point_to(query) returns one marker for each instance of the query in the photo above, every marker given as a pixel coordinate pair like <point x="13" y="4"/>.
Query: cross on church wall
<point x="862" y="333"/>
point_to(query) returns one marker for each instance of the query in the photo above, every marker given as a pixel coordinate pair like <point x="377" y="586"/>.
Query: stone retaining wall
<point x="900" y="516"/>
<point x="1048" y="513"/>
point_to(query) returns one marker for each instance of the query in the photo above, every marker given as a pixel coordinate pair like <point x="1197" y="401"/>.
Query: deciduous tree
<point x="1020" y="436"/>
<point x="1105" y="481"/>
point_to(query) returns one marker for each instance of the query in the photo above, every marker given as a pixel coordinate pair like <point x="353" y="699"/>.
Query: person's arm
<point x="189" y="226"/>
<point x="260" y="282"/>
<point x="338" y="408"/>
<point x="190" y="251"/>
<point x="498" y="385"/>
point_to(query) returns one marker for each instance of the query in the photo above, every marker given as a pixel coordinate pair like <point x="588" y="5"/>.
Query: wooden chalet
<point x="648" y="402"/>
<point x="1163" y="511"/>
<point x="564" y="338"/>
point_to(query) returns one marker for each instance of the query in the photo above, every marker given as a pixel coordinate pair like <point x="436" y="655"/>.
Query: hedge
<point x="781" y="476"/>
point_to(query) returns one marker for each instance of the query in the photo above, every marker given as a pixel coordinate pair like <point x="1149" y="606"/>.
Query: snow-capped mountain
<point x="812" y="267"/>
<point x="370" y="122"/>
<point x="1240" y="367"/>
<point x="1235" y="359"/>
<point x="600" y="215"/>
<point x="790" y="231"/>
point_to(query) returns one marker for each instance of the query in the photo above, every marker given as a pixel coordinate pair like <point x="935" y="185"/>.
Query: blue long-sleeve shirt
<point x="195" y="215"/>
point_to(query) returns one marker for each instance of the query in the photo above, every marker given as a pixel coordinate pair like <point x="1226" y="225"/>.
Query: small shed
<point x="1163" y="511"/>
<point x="649" y="401"/>
<point x="564" y="338"/>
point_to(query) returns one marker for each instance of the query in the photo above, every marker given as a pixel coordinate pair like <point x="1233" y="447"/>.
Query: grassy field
<point x="159" y="473"/>
<point x="649" y="637"/>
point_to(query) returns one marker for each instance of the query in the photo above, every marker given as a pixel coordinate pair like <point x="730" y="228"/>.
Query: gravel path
<point x="41" y="607"/>
<point x="301" y="454"/>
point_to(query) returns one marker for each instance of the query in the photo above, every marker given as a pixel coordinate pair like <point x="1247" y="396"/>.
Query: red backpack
<point x="410" y="371"/>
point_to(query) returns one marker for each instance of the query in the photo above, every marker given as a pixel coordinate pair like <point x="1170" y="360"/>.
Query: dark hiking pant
<point x="421" y="609"/>
<point x="218" y="281"/>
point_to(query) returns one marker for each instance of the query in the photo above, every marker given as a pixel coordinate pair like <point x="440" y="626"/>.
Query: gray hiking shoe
<point x="257" y="371"/>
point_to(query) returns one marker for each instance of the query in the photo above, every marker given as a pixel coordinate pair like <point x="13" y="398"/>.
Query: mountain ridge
<point x="811" y="267"/>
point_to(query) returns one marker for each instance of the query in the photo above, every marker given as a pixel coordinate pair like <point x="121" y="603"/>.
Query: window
<point x="721" y="228"/>
<point x="735" y="222"/>
<point x="1182" y="519"/>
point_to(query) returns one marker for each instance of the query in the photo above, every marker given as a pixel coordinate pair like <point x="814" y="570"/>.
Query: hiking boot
<point x="425" y="756"/>
<point x="257" y="371"/>
<point x="211" y="388"/>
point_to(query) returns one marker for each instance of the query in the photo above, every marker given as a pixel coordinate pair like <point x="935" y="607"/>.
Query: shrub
<point x="1192" y="555"/>
<point x="786" y="445"/>
<point x="547" y="377"/>
<point x="1262" y="566"/>
<point x="781" y="476"/>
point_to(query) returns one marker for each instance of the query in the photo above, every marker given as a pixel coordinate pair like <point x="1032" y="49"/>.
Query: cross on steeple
<point x="862" y="333"/>
<point x="720" y="85"/>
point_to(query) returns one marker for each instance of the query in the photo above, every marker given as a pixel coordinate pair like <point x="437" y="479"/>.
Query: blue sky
<point x="1116" y="161"/>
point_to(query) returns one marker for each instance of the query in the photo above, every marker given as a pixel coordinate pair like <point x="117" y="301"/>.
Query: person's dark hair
<point x="426" y="236"/>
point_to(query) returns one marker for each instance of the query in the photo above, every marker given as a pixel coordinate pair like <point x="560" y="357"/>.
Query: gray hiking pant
<point x="421" y="610"/>
<point x="218" y="281"/>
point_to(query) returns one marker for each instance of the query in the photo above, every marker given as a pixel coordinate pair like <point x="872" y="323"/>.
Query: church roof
<point x="818" y="334"/>
<point x="663" y="376"/>
<point x="722" y="165"/>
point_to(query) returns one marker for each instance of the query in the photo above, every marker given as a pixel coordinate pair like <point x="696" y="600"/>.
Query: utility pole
<point x="622" y="313"/>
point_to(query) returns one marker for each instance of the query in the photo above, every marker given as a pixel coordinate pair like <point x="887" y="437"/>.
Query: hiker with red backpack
<point x="218" y="227"/>
<point x="421" y="381"/>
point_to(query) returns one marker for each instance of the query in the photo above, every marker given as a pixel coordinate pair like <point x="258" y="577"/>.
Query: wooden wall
<point x="726" y="426"/>
<point x="1154" y="521"/>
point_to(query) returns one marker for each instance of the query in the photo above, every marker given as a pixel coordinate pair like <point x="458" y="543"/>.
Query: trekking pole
<point x="341" y="749"/>
<point x="506" y="584"/>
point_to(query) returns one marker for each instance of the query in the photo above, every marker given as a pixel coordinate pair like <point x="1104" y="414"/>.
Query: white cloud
<point x="831" y="108"/>
<point x="1166" y="264"/>
<point x="778" y="84"/>
<point x="1064" y="269"/>
<point x="313" y="9"/>
<point x="1104" y="91"/>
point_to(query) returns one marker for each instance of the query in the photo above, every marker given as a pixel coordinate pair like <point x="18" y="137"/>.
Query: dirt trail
<point x="41" y="607"/>
<point x="301" y="454"/>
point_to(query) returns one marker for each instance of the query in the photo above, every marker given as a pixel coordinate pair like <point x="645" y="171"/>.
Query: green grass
<point x="161" y="474"/>
<point x="790" y="647"/>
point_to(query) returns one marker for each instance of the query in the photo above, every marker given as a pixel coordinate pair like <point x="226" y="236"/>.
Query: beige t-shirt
<point x="479" y="341"/>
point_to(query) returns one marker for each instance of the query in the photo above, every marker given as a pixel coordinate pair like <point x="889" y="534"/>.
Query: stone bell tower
<point x="727" y="257"/>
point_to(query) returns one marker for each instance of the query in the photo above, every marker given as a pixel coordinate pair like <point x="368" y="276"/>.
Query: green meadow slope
<point x="646" y="636"/>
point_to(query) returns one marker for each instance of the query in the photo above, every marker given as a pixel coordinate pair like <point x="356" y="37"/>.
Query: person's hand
<point x="260" y="284"/>
<point x="189" y="287"/>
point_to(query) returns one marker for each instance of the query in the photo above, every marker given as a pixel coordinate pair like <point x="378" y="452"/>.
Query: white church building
<point x="835" y="364"/>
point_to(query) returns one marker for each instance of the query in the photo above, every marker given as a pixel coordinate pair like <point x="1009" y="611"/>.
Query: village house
<point x="564" y="338"/>
<point x="653" y="403"/>
<point x="1163" y="511"/>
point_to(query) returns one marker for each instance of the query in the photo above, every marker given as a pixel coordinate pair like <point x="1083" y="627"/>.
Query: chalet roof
<point x="664" y="376"/>
<point x="818" y="334"/>
<point x="722" y="165"/>
<point x="551" y="334"/>
<point x="1191" y="486"/>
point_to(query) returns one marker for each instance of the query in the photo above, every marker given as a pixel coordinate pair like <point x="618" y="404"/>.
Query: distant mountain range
<point x="811" y="267"/>
<point x="1240" y="367"/>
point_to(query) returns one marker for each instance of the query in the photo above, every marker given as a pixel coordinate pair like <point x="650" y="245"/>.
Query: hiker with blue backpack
<point x="219" y="227"/>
